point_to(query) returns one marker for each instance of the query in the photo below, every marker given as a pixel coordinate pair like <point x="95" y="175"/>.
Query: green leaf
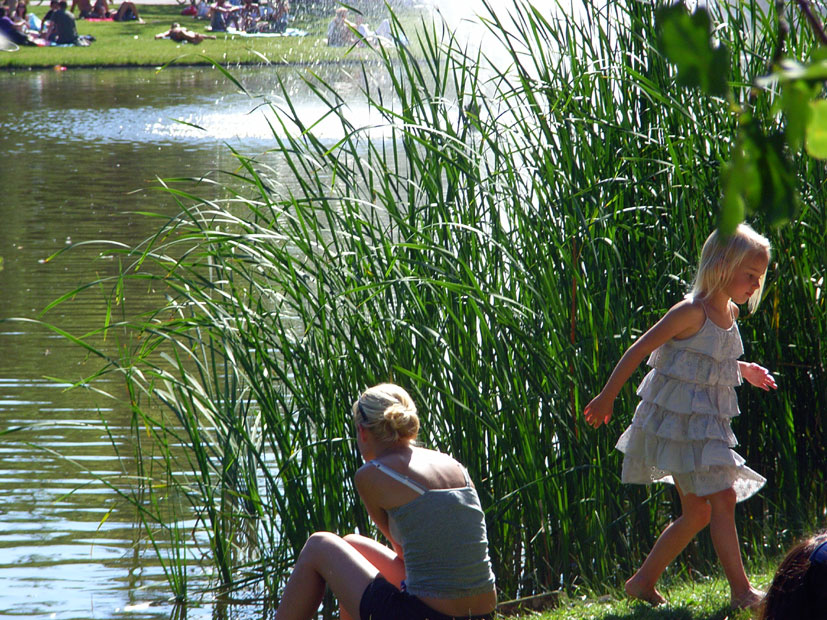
<point x="795" y="101"/>
<point x="740" y="180"/>
<point x="685" y="39"/>
<point x="817" y="130"/>
<point x="732" y="205"/>
<point x="818" y="53"/>
<point x="778" y="199"/>
<point x="758" y="179"/>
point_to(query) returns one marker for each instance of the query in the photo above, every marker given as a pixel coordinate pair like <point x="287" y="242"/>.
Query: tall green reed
<point x="534" y="206"/>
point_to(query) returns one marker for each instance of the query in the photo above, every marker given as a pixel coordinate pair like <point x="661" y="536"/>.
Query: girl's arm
<point x="682" y="321"/>
<point x="757" y="375"/>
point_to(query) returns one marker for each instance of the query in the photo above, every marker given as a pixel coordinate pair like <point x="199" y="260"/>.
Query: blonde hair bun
<point x="403" y="420"/>
<point x="389" y="412"/>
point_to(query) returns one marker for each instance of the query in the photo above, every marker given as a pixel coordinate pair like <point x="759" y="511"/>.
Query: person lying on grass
<point x="180" y="34"/>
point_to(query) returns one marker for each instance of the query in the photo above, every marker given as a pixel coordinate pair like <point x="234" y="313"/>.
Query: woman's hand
<point x="599" y="411"/>
<point x="758" y="376"/>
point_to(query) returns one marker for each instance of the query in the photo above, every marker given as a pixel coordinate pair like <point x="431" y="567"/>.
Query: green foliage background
<point x="529" y="213"/>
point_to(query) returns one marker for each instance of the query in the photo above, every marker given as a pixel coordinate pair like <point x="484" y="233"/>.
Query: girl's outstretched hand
<point x="598" y="412"/>
<point x="758" y="376"/>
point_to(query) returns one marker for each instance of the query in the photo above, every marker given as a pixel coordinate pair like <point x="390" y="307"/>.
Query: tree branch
<point x="783" y="31"/>
<point x="815" y="23"/>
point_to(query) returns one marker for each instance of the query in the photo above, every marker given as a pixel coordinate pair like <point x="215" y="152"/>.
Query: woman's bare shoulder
<point x="434" y="458"/>
<point x="437" y="469"/>
<point x="369" y="479"/>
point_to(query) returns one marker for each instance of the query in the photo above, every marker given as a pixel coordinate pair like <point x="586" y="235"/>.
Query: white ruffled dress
<point x="681" y="429"/>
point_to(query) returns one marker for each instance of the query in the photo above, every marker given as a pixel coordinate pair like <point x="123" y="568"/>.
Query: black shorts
<point x="382" y="601"/>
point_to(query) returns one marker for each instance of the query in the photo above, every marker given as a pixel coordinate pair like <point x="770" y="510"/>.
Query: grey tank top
<point x="443" y="539"/>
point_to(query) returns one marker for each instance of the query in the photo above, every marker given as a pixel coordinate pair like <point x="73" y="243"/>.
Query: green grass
<point x="695" y="600"/>
<point x="688" y="601"/>
<point x="126" y="44"/>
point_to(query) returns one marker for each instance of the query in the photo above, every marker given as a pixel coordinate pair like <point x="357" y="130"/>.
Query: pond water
<point x="81" y="151"/>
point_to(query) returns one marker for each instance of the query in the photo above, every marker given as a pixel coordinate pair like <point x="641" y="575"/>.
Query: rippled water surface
<point x="81" y="150"/>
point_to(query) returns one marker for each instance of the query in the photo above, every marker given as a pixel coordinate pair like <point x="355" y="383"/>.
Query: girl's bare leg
<point x="695" y="514"/>
<point x="326" y="559"/>
<point x="725" y="540"/>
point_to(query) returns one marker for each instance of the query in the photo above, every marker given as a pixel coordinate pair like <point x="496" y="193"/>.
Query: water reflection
<point x="173" y="106"/>
<point x="69" y="547"/>
<point x="80" y="150"/>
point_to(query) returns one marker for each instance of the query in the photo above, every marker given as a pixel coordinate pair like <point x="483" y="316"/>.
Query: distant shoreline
<point x="131" y="44"/>
<point x="173" y="65"/>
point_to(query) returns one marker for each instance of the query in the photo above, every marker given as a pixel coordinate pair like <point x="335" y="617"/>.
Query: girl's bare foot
<point x="647" y="594"/>
<point x="751" y="599"/>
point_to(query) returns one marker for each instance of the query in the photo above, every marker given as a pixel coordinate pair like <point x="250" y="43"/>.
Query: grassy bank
<point x="688" y="600"/>
<point x="119" y="44"/>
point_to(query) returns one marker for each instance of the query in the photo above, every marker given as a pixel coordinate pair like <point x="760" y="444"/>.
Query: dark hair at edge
<point x="799" y="588"/>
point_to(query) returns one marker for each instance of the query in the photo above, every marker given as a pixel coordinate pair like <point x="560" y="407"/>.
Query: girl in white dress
<point x="681" y="431"/>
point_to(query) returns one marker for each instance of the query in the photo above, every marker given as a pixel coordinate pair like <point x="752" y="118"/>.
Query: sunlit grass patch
<point x="704" y="599"/>
<point x="126" y="44"/>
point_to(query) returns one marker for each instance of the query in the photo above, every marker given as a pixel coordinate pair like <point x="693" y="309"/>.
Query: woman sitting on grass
<point x="125" y="13"/>
<point x="425" y="505"/>
<point x="26" y="22"/>
<point x="8" y="31"/>
<point x="223" y="16"/>
<point x="278" y="17"/>
<point x="250" y="15"/>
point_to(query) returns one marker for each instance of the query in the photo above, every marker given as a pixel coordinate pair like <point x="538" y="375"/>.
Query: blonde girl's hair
<point x="388" y="412"/>
<point x="721" y="256"/>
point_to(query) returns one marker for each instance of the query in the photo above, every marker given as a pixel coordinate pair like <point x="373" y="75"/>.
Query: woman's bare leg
<point x="382" y="557"/>
<point x="390" y="565"/>
<point x="326" y="559"/>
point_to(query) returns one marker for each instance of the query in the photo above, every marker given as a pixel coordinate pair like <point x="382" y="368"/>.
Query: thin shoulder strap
<point x="399" y="477"/>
